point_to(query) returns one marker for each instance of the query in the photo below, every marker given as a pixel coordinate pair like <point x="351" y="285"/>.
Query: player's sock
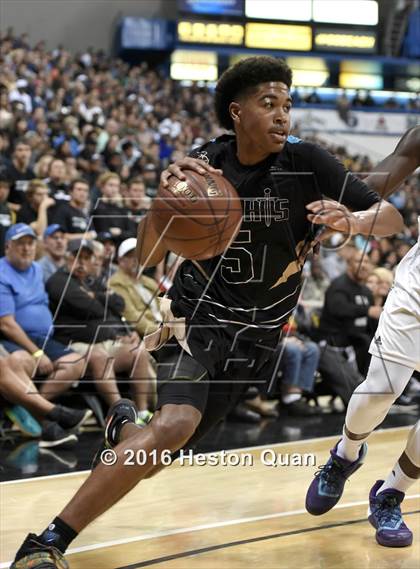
<point x="349" y="448"/>
<point x="290" y="398"/>
<point x="397" y="480"/>
<point x="58" y="534"/>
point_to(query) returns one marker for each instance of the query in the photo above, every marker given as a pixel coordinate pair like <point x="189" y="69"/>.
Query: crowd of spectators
<point x="83" y="140"/>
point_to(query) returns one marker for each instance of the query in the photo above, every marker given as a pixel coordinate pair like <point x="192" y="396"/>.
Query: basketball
<point x="198" y="217"/>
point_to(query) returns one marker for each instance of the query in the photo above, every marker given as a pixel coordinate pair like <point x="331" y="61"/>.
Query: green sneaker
<point x="24" y="421"/>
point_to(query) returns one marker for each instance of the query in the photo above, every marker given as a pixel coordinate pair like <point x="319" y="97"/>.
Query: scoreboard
<point x="218" y="33"/>
<point x="328" y="43"/>
<point x="300" y="25"/>
<point x="237" y="28"/>
<point x="278" y="36"/>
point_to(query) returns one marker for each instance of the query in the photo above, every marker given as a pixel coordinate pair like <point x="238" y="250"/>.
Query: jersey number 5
<point x="238" y="263"/>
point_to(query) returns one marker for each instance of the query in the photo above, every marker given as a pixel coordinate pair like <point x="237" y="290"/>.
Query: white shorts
<point x="397" y="338"/>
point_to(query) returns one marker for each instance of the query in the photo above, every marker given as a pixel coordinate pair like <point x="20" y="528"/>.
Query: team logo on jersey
<point x="203" y="156"/>
<point x="266" y="209"/>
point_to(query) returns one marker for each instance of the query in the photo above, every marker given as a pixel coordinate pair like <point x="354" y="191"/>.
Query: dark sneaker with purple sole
<point x="327" y="487"/>
<point x="386" y="517"/>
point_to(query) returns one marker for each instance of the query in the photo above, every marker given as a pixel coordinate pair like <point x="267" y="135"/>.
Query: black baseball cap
<point x="104" y="236"/>
<point x="76" y="245"/>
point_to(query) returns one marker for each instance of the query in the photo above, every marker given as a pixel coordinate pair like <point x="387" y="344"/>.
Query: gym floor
<point x="235" y="516"/>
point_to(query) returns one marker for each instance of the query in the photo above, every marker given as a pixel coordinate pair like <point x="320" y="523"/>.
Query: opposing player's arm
<point x="393" y="170"/>
<point x="353" y="207"/>
<point x="381" y="219"/>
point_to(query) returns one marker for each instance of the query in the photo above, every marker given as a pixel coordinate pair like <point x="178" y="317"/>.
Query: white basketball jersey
<point x="407" y="277"/>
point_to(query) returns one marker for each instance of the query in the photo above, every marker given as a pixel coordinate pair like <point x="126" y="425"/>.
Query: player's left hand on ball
<point x="187" y="163"/>
<point x="334" y="215"/>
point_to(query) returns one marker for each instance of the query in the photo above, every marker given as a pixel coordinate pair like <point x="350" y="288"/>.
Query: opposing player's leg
<point x="367" y="408"/>
<point x="395" y="356"/>
<point x="370" y="404"/>
<point x="180" y="408"/>
<point x="386" y="495"/>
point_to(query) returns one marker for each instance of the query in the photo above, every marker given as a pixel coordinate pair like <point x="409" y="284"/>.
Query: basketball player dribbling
<point x="395" y="353"/>
<point x="223" y="316"/>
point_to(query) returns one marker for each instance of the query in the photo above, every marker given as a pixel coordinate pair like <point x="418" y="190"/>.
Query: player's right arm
<point x="150" y="249"/>
<point x="150" y="246"/>
<point x="389" y="173"/>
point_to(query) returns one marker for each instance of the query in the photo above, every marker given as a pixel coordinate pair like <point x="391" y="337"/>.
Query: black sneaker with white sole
<point x="53" y="435"/>
<point x="300" y="408"/>
<point x="69" y="419"/>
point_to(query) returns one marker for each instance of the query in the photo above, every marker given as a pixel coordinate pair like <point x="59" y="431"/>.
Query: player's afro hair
<point x="243" y="76"/>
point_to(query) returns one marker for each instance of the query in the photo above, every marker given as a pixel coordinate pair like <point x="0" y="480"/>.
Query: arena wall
<point x="372" y="145"/>
<point x="76" y="24"/>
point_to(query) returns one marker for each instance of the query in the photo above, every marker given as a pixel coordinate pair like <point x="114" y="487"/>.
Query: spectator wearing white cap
<point x="55" y="246"/>
<point x="89" y="317"/>
<point x="139" y="293"/>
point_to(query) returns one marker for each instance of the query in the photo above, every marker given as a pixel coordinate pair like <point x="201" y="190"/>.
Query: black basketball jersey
<point x="254" y="286"/>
